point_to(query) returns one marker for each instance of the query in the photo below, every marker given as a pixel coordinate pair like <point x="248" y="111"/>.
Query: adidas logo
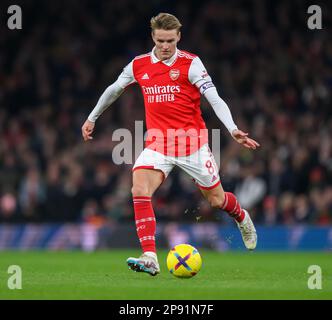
<point x="145" y="77"/>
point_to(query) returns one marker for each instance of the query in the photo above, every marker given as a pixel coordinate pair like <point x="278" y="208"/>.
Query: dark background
<point x="274" y="73"/>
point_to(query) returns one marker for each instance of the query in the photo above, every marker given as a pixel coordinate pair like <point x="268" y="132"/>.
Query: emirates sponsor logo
<point x="174" y="74"/>
<point x="158" y="94"/>
<point x="161" y="89"/>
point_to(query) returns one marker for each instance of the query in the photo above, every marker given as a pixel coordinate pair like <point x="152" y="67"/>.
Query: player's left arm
<point x="199" y="77"/>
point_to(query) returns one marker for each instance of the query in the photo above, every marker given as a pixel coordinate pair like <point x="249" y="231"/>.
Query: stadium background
<point x="57" y="192"/>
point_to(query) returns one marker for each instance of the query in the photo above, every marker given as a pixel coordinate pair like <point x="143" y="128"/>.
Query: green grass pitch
<point x="104" y="275"/>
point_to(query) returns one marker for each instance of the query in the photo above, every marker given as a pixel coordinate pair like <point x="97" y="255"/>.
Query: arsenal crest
<point x="174" y="74"/>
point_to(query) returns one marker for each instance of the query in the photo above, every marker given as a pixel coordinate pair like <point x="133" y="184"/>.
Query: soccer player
<point x="172" y="81"/>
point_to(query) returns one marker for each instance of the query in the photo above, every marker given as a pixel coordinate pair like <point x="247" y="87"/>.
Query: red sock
<point x="232" y="207"/>
<point x="145" y="223"/>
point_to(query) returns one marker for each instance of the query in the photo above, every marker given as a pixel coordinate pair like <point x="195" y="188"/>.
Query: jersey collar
<point x="168" y="62"/>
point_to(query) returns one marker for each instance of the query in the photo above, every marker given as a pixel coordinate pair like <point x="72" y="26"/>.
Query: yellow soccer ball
<point x="184" y="261"/>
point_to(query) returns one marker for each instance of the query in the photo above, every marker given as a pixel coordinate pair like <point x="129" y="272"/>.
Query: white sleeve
<point x="221" y="109"/>
<point x="113" y="92"/>
<point x="127" y="76"/>
<point x="200" y="78"/>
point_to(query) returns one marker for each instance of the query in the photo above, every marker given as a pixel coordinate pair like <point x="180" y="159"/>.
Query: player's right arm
<point x="107" y="98"/>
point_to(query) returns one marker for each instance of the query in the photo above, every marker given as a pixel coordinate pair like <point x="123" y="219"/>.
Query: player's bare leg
<point x="228" y="202"/>
<point x="145" y="183"/>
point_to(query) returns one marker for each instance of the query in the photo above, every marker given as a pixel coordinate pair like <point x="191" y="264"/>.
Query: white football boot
<point x="147" y="262"/>
<point x="248" y="231"/>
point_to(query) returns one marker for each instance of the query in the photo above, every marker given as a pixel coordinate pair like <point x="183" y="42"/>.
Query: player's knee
<point x="140" y="191"/>
<point x="216" y="201"/>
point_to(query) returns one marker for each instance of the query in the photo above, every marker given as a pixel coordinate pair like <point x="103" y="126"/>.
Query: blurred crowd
<point x="274" y="73"/>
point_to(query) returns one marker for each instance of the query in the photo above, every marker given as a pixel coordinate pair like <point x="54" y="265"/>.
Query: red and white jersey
<point x="171" y="90"/>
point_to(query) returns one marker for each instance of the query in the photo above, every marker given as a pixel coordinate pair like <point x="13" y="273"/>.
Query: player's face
<point x="165" y="41"/>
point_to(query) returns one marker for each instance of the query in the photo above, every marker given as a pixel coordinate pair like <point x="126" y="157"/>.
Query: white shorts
<point x="200" y="165"/>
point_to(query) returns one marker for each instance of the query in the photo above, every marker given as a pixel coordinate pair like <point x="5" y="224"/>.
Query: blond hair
<point x="165" y="21"/>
